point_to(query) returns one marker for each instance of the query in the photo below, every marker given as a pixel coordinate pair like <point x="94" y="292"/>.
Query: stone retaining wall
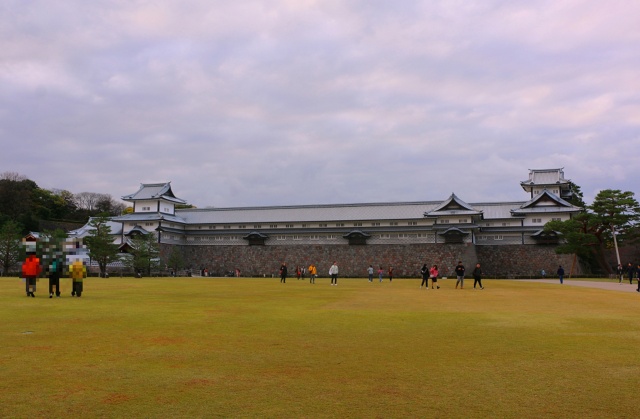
<point x="407" y="259"/>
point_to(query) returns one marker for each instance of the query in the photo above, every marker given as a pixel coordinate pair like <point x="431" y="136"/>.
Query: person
<point x="477" y="276"/>
<point x="433" y="273"/>
<point x="460" y="275"/>
<point x="380" y="273"/>
<point x="620" y="273"/>
<point x="638" y="276"/>
<point x="543" y="274"/>
<point x="298" y="272"/>
<point x="30" y="271"/>
<point x="390" y="273"/>
<point x="54" y="271"/>
<point x="370" y="272"/>
<point x="312" y="273"/>
<point x="425" y="276"/>
<point x="303" y="272"/>
<point x="630" y="272"/>
<point x="283" y="273"/>
<point x="561" y="274"/>
<point x="77" y="272"/>
<point x="333" y="271"/>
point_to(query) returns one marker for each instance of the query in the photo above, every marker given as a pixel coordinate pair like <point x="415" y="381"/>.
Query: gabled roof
<point x="453" y="231"/>
<point x="545" y="202"/>
<point x="452" y="206"/>
<point x="149" y="191"/>
<point x="137" y="230"/>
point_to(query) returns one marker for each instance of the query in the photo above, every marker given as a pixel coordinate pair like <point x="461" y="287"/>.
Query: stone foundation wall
<point x="407" y="259"/>
<point x="524" y="260"/>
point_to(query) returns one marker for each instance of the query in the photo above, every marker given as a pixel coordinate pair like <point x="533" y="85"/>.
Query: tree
<point x="145" y="253"/>
<point x="590" y="232"/>
<point x="175" y="260"/>
<point x="100" y="243"/>
<point x="10" y="247"/>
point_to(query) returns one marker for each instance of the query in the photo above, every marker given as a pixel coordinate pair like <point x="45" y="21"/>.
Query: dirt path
<point x="610" y="285"/>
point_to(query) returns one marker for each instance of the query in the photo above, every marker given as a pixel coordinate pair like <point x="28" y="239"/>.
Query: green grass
<point x="227" y="347"/>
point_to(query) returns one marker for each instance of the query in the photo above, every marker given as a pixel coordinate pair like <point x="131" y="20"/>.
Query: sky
<point x="302" y="102"/>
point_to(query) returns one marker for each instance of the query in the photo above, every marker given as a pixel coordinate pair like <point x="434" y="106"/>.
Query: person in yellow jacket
<point x="312" y="273"/>
<point x="77" y="272"/>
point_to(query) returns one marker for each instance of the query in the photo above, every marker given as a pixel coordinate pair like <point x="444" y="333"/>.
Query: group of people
<point x="381" y="270"/>
<point x="631" y="271"/>
<point x="55" y="265"/>
<point x="432" y="273"/>
<point x="426" y="272"/>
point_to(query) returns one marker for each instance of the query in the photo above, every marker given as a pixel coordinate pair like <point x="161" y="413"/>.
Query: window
<point x="506" y="224"/>
<point x="212" y="227"/>
<point x="281" y="237"/>
<point x="273" y="225"/>
<point x="375" y="224"/>
<point x="385" y="236"/>
<point x="357" y="224"/>
<point x="331" y="236"/>
<point x="462" y="221"/>
<point x="289" y="225"/>
<point x="322" y="225"/>
<point x="393" y="223"/>
<point x="498" y="238"/>
<point x="339" y="224"/>
<point x="257" y="226"/>
<point x="314" y="237"/>
<point x="305" y="225"/>
<point x="412" y="223"/>
<point x="242" y="226"/>
<point x="537" y="220"/>
<point x="482" y="238"/>
<point x="219" y="238"/>
<point x="444" y="221"/>
<point x="556" y="219"/>
<point x="297" y="238"/>
<point x="148" y="224"/>
<point x="146" y="208"/>
<point x="227" y="227"/>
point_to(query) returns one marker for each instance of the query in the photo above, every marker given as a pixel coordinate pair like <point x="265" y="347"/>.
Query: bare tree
<point x="13" y="176"/>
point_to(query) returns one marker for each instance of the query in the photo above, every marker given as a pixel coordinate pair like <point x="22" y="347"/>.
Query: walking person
<point x="433" y="273"/>
<point x="638" y="276"/>
<point x="460" y="275"/>
<point x="370" y="272"/>
<point x="312" y="273"/>
<point x="30" y="271"/>
<point x="283" y="273"/>
<point x="390" y="273"/>
<point x="380" y="273"/>
<point x="77" y="272"/>
<point x="620" y="273"/>
<point x="477" y="276"/>
<point x="561" y="274"/>
<point x="333" y="271"/>
<point x="298" y="272"/>
<point x="630" y="272"/>
<point x="425" y="276"/>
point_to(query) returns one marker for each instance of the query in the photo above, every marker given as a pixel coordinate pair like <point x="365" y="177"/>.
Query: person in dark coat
<point x="561" y="274"/>
<point x="283" y="273"/>
<point x="425" y="276"/>
<point x="477" y="276"/>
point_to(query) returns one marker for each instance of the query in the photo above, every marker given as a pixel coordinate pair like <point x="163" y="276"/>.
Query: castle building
<point x="231" y="237"/>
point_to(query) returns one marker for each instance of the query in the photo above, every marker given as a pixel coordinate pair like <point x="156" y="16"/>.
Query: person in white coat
<point x="333" y="272"/>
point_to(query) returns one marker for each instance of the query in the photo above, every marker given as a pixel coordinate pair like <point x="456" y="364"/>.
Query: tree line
<point x="25" y="204"/>
<point x="611" y="220"/>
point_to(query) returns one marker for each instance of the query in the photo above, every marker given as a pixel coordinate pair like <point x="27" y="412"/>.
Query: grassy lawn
<point x="227" y="347"/>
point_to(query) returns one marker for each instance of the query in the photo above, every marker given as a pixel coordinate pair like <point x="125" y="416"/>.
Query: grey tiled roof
<point x="148" y="216"/>
<point x="308" y="213"/>
<point x="154" y="191"/>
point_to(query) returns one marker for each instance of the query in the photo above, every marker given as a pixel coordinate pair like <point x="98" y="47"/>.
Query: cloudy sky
<point x="329" y="101"/>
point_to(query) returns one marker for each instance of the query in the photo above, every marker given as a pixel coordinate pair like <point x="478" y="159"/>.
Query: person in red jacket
<point x="31" y="270"/>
